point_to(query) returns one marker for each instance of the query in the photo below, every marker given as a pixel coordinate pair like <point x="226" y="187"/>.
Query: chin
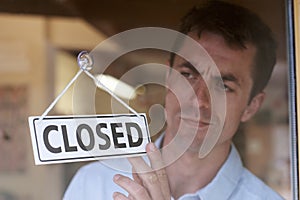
<point x="189" y="141"/>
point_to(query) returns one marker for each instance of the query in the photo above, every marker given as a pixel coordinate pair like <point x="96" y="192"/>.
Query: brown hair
<point x="237" y="26"/>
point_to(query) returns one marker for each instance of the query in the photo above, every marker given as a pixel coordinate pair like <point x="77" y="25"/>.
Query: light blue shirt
<point x="233" y="182"/>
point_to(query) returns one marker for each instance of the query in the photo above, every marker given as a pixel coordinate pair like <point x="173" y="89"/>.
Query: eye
<point x="223" y="86"/>
<point x="187" y="75"/>
<point x="227" y="88"/>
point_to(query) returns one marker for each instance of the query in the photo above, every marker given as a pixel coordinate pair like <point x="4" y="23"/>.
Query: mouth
<point x="202" y="124"/>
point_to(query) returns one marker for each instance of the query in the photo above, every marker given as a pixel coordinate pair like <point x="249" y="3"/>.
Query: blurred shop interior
<point x="39" y="44"/>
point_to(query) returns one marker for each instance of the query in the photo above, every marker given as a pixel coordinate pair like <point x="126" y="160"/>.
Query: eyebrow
<point x="230" y="77"/>
<point x="190" y="66"/>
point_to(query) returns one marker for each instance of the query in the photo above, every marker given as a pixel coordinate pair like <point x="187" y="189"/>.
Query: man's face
<point x="235" y="67"/>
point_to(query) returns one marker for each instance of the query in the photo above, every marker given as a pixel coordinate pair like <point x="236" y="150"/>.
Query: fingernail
<point x="152" y="147"/>
<point x="115" y="195"/>
<point x="117" y="177"/>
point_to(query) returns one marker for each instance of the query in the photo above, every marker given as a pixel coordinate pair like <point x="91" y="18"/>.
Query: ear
<point x="253" y="106"/>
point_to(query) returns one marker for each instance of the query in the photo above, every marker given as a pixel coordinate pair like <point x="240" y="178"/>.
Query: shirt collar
<point x="224" y="182"/>
<point x="226" y="179"/>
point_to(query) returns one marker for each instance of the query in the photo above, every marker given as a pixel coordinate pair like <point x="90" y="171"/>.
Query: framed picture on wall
<point x="13" y="112"/>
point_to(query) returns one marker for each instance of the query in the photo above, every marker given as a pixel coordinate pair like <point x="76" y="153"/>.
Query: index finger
<point x="155" y="157"/>
<point x="148" y="177"/>
<point x="157" y="164"/>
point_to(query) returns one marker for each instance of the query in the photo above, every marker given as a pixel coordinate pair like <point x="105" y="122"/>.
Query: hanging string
<point x="85" y="63"/>
<point x="98" y="82"/>
<point x="60" y="95"/>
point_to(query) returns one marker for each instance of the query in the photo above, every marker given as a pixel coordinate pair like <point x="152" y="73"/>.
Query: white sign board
<point x="61" y="139"/>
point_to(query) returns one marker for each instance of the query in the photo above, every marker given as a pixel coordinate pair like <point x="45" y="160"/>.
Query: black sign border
<point x="89" y="116"/>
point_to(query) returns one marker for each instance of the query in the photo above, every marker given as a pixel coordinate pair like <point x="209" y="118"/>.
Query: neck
<point x="189" y="173"/>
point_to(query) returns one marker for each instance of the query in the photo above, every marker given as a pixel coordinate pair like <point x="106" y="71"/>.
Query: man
<point x="244" y="52"/>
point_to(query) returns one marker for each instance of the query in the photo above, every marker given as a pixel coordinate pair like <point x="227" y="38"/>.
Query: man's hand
<point x="149" y="183"/>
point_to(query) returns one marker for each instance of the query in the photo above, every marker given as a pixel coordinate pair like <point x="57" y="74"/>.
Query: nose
<point x="202" y="93"/>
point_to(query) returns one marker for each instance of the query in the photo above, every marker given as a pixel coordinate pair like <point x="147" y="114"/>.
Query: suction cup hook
<point x="85" y="61"/>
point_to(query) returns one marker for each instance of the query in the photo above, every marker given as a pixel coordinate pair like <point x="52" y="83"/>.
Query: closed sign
<point x="63" y="139"/>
